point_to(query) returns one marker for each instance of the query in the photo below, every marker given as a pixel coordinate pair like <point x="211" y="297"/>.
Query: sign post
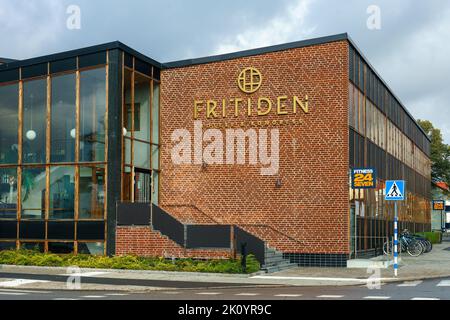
<point x="395" y="191"/>
<point x="439" y="205"/>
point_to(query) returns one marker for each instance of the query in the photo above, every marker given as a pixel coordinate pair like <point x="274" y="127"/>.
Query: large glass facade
<point x="384" y="137"/>
<point x="54" y="135"/>
<point x="52" y="194"/>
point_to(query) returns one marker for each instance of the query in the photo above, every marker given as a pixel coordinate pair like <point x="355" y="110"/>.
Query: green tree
<point x="440" y="153"/>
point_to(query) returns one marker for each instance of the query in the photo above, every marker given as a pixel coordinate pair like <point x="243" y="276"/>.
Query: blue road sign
<point x="395" y="190"/>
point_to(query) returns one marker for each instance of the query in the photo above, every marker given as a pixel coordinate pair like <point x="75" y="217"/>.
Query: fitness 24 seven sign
<point x="364" y="178"/>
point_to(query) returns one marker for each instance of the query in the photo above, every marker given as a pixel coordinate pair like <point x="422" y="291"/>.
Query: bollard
<point x="244" y="257"/>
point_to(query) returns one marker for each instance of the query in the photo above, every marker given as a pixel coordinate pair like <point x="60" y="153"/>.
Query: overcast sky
<point x="410" y="51"/>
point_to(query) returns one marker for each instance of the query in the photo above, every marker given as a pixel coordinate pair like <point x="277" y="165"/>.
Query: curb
<point x="122" y="271"/>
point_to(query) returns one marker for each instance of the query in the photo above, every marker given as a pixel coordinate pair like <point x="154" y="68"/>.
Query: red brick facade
<point x="309" y="211"/>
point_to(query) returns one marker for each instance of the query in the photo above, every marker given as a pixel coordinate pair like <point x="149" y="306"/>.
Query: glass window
<point x="92" y="193"/>
<point x="155" y="187"/>
<point x="61" y="247"/>
<point x="33" y="193"/>
<point x="96" y="248"/>
<point x="92" y="115"/>
<point x="142" y="108"/>
<point x="128" y="151"/>
<point x="127" y="113"/>
<point x="33" y="246"/>
<point x="7" y="246"/>
<point x="155" y="157"/>
<point x="62" y="193"/>
<point x="141" y="155"/>
<point x="155" y="114"/>
<point x="350" y="105"/>
<point x="8" y="193"/>
<point x="63" y="118"/>
<point x="9" y="106"/>
<point x="34" y="120"/>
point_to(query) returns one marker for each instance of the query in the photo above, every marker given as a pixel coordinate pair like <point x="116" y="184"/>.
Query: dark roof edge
<point x="254" y="52"/>
<point x="6" y="60"/>
<point x="78" y="52"/>
<point x="353" y="44"/>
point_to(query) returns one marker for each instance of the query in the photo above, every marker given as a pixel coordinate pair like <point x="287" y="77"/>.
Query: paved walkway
<point x="432" y="265"/>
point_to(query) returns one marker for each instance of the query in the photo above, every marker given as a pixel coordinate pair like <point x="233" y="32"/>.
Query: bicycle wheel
<point x="387" y="248"/>
<point x="414" y="249"/>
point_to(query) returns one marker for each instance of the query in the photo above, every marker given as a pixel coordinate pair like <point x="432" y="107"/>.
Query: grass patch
<point x="34" y="258"/>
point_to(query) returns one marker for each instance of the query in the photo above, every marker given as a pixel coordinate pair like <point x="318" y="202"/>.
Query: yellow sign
<point x="439" y="205"/>
<point x="250" y="80"/>
<point x="364" y="178"/>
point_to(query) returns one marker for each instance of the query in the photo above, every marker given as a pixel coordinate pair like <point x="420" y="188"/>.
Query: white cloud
<point x="28" y="27"/>
<point x="282" y="28"/>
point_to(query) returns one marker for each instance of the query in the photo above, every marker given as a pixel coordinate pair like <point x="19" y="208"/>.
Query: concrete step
<point x="277" y="268"/>
<point x="375" y="263"/>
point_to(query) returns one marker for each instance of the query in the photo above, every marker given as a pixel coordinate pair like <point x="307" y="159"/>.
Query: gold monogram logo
<point x="250" y="80"/>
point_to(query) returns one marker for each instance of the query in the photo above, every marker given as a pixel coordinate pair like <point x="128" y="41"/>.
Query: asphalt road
<point x="438" y="289"/>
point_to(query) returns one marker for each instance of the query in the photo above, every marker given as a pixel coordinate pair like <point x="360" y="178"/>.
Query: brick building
<point x="194" y="158"/>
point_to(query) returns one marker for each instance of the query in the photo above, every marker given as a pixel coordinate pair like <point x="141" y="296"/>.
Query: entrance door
<point x="142" y="185"/>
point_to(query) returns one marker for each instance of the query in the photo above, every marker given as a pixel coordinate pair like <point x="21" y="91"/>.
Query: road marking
<point x="24" y="291"/>
<point x="376" y="298"/>
<point x="208" y="293"/>
<point x="117" y="294"/>
<point x="288" y="295"/>
<point x="444" y="283"/>
<point x="12" y="293"/>
<point x="410" y="284"/>
<point x="425" y="299"/>
<point x="85" y="274"/>
<point x="171" y="292"/>
<point x="20" y="282"/>
<point x="321" y="279"/>
<point x="330" y="297"/>
<point x="248" y="294"/>
<point x="65" y="299"/>
<point x="93" y="297"/>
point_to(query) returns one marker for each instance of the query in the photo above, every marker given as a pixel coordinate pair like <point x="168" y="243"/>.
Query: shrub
<point x="36" y="258"/>
<point x="433" y="237"/>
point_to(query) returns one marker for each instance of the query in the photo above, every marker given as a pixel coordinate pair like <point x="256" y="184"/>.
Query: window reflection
<point x="33" y="193"/>
<point x="8" y="193"/>
<point x="92" y="188"/>
<point x="34" y="120"/>
<point x="63" y="116"/>
<point x="62" y="193"/>
<point x="92" y="115"/>
<point x="9" y="106"/>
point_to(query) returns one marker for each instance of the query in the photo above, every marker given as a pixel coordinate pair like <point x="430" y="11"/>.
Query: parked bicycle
<point x="413" y="245"/>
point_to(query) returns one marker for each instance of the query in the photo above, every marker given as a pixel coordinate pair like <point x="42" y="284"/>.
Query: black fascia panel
<point x="69" y="64"/>
<point x="79" y="52"/>
<point x="9" y="75"/>
<point x="37" y="70"/>
<point x="91" y="60"/>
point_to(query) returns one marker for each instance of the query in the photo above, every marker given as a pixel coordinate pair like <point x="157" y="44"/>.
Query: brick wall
<point x="309" y="212"/>
<point x="311" y="208"/>
<point x="145" y="242"/>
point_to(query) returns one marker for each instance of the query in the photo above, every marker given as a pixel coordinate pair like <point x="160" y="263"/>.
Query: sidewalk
<point x="432" y="265"/>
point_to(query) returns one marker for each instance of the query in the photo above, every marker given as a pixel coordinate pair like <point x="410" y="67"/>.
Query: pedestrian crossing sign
<point x="395" y="190"/>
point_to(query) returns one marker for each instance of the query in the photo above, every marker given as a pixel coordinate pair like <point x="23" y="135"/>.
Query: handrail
<point x="273" y="229"/>
<point x="196" y="208"/>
